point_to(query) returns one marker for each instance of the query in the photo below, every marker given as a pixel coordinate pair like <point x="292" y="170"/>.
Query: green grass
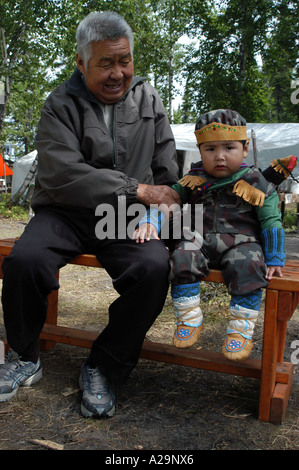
<point x="13" y="211"/>
<point x="290" y="218"/>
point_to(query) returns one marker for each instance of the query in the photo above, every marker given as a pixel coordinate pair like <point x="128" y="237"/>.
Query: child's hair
<point x="222" y="116"/>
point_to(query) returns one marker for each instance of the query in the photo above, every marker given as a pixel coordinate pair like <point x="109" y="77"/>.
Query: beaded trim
<point x="217" y="131"/>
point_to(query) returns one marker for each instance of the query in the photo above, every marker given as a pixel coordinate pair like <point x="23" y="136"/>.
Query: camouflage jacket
<point x="243" y="203"/>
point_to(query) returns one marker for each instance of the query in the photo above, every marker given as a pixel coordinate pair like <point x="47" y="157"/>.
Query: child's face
<point x="223" y="158"/>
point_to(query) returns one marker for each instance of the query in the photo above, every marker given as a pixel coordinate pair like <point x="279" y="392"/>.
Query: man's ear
<point x="80" y="63"/>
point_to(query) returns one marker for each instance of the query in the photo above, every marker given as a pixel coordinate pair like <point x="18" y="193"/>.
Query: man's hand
<point x="148" y="194"/>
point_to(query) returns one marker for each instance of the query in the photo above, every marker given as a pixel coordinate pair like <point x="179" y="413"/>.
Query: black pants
<point x="139" y="273"/>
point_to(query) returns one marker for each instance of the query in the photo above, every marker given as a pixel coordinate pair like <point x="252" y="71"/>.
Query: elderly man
<point x="103" y="134"/>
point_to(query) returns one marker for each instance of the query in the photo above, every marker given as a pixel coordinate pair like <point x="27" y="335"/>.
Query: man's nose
<point x="116" y="72"/>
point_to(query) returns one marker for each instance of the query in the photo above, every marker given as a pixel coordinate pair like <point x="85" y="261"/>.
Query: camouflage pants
<point x="239" y="257"/>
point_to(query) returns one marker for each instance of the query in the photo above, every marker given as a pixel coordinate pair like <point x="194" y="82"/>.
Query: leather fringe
<point x="254" y="196"/>
<point x="284" y="165"/>
<point x="192" y="181"/>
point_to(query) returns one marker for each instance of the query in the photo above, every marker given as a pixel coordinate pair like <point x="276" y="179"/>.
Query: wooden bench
<point x="275" y="375"/>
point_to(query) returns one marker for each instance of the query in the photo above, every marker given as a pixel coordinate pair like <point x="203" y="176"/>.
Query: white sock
<point x="242" y="320"/>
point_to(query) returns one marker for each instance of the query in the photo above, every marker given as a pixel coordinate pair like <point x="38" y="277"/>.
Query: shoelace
<point x="9" y="367"/>
<point x="98" y="382"/>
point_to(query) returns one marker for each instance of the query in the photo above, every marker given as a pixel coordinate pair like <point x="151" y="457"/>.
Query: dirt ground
<point x="161" y="407"/>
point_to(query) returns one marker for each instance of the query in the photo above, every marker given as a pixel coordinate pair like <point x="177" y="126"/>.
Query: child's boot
<point x="238" y="342"/>
<point x="186" y="299"/>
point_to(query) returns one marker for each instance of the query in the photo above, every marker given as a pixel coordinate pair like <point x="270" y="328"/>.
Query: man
<point x="102" y="135"/>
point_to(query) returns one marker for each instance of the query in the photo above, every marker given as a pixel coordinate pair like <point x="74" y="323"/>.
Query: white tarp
<point x="21" y="169"/>
<point x="272" y="141"/>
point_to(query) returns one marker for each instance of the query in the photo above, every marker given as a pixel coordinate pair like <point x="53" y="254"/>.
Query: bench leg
<point x="287" y="303"/>
<point x="280" y="397"/>
<point x="274" y="396"/>
<point x="269" y="359"/>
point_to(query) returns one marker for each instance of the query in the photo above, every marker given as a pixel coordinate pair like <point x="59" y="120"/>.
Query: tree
<point x="225" y="71"/>
<point x="28" y="91"/>
<point x="239" y="54"/>
<point x="173" y="23"/>
<point x="280" y="60"/>
<point x="22" y="24"/>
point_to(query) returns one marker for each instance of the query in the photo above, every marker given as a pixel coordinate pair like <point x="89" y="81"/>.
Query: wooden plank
<point x="289" y="282"/>
<point x="269" y="359"/>
<point x="285" y="306"/>
<point x="284" y="313"/>
<point x="160" y="352"/>
<point x="64" y="335"/>
<point x="280" y="399"/>
<point x="86" y="260"/>
<point x="200" y="359"/>
<point x="284" y="372"/>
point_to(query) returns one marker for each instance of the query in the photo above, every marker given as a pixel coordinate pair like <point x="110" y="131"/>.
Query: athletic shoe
<point x="98" y="400"/>
<point x="15" y="373"/>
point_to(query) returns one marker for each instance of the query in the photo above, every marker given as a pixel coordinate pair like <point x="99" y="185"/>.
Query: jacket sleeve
<point x="64" y="176"/>
<point x="272" y="233"/>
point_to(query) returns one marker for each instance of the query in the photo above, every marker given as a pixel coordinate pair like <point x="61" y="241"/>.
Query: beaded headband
<point x="217" y="131"/>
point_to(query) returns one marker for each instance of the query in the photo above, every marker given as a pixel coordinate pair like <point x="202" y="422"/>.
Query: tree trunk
<point x="170" y="86"/>
<point x="6" y="88"/>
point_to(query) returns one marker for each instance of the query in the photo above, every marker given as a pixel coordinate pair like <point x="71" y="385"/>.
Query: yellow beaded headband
<point x="217" y="131"/>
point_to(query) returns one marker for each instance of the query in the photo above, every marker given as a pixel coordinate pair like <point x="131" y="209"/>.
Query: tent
<point x="21" y="170"/>
<point x="4" y="169"/>
<point x="272" y="141"/>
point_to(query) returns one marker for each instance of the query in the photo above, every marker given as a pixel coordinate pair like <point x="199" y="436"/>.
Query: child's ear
<point x="246" y="149"/>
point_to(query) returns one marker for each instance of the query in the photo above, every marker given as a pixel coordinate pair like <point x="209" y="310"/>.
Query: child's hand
<point x="145" y="232"/>
<point x="273" y="270"/>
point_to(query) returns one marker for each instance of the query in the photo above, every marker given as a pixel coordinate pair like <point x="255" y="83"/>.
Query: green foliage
<point x="9" y="210"/>
<point x="290" y="219"/>
<point x="230" y="53"/>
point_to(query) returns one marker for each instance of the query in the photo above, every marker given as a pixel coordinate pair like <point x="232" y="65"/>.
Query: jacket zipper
<point x="137" y="80"/>
<point x="114" y="137"/>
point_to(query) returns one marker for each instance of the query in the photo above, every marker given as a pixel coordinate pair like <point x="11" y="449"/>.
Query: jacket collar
<point x="76" y="86"/>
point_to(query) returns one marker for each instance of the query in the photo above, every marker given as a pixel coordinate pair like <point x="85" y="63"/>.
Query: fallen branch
<point x="48" y="444"/>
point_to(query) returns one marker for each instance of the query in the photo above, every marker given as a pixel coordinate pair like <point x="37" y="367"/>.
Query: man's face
<point x="110" y="70"/>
